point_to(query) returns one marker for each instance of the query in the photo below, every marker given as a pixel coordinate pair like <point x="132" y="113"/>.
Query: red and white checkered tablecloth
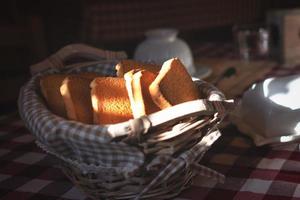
<point x="28" y="173"/>
<point x="251" y="172"/>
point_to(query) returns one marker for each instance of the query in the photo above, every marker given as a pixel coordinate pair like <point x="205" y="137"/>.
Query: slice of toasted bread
<point x="126" y="65"/>
<point x="49" y="85"/>
<point x="173" y="85"/>
<point x="128" y="77"/>
<point x="76" y="93"/>
<point x="137" y="85"/>
<point x="50" y="88"/>
<point x="110" y="100"/>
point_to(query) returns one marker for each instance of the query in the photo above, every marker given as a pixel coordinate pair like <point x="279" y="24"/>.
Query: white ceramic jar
<point x="163" y="44"/>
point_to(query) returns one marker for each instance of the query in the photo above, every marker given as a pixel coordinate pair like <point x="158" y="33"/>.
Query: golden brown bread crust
<point x="110" y="100"/>
<point x="76" y="94"/>
<point x="135" y="108"/>
<point x="173" y="85"/>
<point x="126" y="65"/>
<point x="50" y="88"/>
<point x="137" y="85"/>
<point x="142" y="81"/>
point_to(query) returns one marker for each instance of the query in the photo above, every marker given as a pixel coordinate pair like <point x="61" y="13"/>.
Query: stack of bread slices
<point x="138" y="89"/>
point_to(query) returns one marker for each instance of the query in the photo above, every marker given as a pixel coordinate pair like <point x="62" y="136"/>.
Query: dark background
<point x="31" y="30"/>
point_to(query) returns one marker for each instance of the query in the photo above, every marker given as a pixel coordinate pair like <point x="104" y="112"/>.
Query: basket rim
<point x="47" y="122"/>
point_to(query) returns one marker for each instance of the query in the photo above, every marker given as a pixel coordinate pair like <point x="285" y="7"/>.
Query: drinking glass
<point x="251" y="41"/>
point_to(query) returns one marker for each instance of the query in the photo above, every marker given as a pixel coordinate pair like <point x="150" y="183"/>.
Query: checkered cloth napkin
<point x="68" y="139"/>
<point x="28" y="173"/>
<point x="92" y="148"/>
<point x="78" y="143"/>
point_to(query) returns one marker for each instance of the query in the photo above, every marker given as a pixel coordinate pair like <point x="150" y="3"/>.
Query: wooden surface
<point x="246" y="73"/>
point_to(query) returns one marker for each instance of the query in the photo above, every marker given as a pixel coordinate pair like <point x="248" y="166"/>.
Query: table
<point x="220" y="57"/>
<point x="251" y="172"/>
<point x="28" y="173"/>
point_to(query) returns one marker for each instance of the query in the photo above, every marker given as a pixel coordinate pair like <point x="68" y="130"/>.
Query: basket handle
<point x="135" y="128"/>
<point x="58" y="59"/>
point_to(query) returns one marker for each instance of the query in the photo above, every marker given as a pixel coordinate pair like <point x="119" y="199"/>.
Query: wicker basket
<point x="155" y="156"/>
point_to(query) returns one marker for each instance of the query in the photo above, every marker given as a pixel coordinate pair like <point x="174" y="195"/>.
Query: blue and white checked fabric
<point x="74" y="141"/>
<point x="92" y="148"/>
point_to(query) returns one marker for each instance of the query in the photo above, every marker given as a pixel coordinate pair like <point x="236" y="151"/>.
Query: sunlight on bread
<point x="138" y="89"/>
<point x="112" y="103"/>
<point x="125" y="66"/>
<point x="173" y="85"/>
<point x="75" y="90"/>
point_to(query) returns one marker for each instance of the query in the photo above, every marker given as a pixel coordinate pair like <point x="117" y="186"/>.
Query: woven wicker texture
<point x="152" y="156"/>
